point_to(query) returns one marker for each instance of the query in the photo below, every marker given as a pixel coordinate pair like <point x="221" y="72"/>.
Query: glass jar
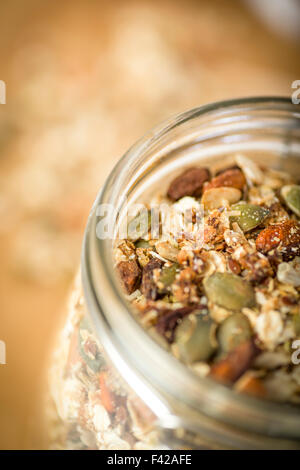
<point x="113" y="385"/>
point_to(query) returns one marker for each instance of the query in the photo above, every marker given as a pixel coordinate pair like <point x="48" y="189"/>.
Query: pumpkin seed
<point x="195" y="338"/>
<point x="142" y="244"/>
<point x="229" y="291"/>
<point x="217" y="197"/>
<point x="167" y="250"/>
<point x="167" y="276"/>
<point x="250" y="215"/>
<point x="139" y="226"/>
<point x="233" y="331"/>
<point x="291" y="196"/>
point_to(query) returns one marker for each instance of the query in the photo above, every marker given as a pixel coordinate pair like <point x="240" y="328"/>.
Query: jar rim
<point x="173" y="379"/>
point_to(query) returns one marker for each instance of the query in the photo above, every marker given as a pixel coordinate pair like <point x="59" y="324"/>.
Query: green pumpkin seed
<point x="195" y="338"/>
<point x="250" y="216"/>
<point x="233" y="331"/>
<point x="139" y="226"/>
<point x="142" y="244"/>
<point x="291" y="196"/>
<point x="229" y="291"/>
<point x="167" y="276"/>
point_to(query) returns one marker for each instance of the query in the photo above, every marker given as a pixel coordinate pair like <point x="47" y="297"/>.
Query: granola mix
<point x="91" y="407"/>
<point x="223" y="297"/>
<point x="219" y="291"/>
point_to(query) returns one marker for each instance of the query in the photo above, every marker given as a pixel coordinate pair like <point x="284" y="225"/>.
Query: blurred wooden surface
<point x="84" y="80"/>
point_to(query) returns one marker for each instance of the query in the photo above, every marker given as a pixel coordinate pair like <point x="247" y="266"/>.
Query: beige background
<point x="84" y="80"/>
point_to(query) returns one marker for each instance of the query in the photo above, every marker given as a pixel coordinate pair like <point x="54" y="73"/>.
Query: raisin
<point x="169" y="320"/>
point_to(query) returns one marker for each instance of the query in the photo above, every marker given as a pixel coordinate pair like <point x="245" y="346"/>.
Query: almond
<point x="233" y="178"/>
<point x="234" y="365"/>
<point x="250" y="384"/>
<point x="188" y="183"/>
<point x="284" y="237"/>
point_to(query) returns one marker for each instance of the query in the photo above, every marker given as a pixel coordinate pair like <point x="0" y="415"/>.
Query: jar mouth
<point x="157" y="376"/>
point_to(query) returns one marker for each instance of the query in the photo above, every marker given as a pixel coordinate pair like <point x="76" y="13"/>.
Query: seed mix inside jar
<point x="219" y="286"/>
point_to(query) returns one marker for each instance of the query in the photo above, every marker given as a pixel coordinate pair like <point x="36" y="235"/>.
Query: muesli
<point x="218" y="287"/>
<point x="223" y="296"/>
<point x="96" y="410"/>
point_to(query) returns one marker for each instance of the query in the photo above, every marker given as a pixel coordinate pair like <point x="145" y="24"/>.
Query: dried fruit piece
<point x="229" y="291"/>
<point x="284" y="237"/>
<point x="130" y="274"/>
<point x="291" y="196"/>
<point x="218" y="197"/>
<point x="195" y="338"/>
<point x="149" y="285"/>
<point x="233" y="178"/>
<point x="250" y="215"/>
<point x="139" y="226"/>
<point x="239" y="360"/>
<point x="189" y="183"/>
<point x="233" y="331"/>
<point x="168" y="321"/>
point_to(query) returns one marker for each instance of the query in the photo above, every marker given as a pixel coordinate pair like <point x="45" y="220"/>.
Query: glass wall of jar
<point x="113" y="384"/>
